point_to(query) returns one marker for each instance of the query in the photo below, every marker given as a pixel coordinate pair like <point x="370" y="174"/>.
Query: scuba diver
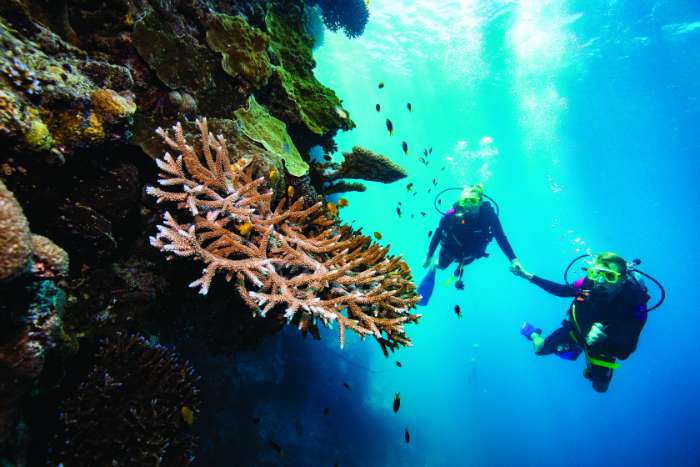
<point x="604" y="320"/>
<point x="464" y="233"/>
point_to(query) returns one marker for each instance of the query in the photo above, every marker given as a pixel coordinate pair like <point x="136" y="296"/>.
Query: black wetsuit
<point x="623" y="316"/>
<point x="465" y="238"/>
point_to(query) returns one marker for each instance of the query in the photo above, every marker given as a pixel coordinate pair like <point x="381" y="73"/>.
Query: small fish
<point x="430" y="233"/>
<point x="331" y="207"/>
<point x="244" y="228"/>
<point x="326" y="158"/>
<point x="430" y="151"/>
<point x="290" y="191"/>
<point x="413" y="216"/>
<point x="187" y="415"/>
<point x="378" y="107"/>
<point x="397" y="401"/>
<point x="381" y="84"/>
<point x="439" y="201"/>
<point x="442" y="170"/>
<point x="429" y="190"/>
<point x="398" y="363"/>
<point x="347" y="386"/>
<point x="342" y="202"/>
<point x="325" y="411"/>
<point x="423" y="161"/>
<point x="377" y="235"/>
<point x="399" y="203"/>
<point x="458" y="311"/>
<point x="409" y="186"/>
<point x="425" y="152"/>
<point x="390" y="127"/>
<point x="398" y="211"/>
<point x="423" y="213"/>
<point x="404" y="146"/>
<point x="434" y="182"/>
<point x="407" y="436"/>
<point x="277" y="448"/>
<point x="408" y="106"/>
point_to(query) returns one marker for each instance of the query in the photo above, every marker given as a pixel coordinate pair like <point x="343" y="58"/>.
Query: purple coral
<point x="135" y="408"/>
<point x="349" y="15"/>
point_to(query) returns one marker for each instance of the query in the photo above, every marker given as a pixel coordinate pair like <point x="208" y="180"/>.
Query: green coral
<point x="296" y="96"/>
<point x="257" y="124"/>
<point x="243" y="48"/>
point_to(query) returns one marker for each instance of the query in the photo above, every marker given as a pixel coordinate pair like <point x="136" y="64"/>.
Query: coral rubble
<point x="288" y="258"/>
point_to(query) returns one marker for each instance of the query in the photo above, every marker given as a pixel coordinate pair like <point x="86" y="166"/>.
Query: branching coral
<point x="290" y="258"/>
<point x="135" y="408"/>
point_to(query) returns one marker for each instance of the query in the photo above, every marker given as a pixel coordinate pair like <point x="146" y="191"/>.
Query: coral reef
<point x="288" y="257"/>
<point x="265" y="129"/>
<point x="349" y="15"/>
<point x="136" y="407"/>
<point x="15" y="239"/>
<point x="363" y="164"/>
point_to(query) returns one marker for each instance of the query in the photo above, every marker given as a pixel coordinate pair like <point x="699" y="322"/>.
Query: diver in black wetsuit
<point x="464" y="233"/>
<point x="604" y="320"/>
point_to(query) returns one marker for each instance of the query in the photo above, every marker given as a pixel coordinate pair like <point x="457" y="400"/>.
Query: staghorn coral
<point x="134" y="408"/>
<point x="15" y="239"/>
<point x="288" y="257"/>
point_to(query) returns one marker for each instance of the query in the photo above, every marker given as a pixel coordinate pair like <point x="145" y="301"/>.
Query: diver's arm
<point x="501" y="238"/>
<point x="560" y="290"/>
<point x="435" y="240"/>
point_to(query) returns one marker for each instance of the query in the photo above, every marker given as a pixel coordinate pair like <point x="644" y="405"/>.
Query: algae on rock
<point x="243" y="48"/>
<point x="257" y="124"/>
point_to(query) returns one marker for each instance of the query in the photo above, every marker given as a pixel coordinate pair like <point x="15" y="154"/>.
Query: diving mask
<point x="596" y="273"/>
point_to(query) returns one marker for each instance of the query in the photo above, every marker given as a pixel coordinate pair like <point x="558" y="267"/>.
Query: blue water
<point x="581" y="118"/>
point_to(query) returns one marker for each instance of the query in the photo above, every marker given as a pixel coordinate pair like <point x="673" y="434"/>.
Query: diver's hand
<point x="517" y="269"/>
<point x="427" y="261"/>
<point x="596" y="334"/>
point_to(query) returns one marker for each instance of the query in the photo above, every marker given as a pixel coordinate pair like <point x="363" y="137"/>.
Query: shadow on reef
<point x="83" y="86"/>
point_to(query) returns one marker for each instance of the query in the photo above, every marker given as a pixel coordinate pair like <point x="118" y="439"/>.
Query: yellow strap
<point x="591" y="360"/>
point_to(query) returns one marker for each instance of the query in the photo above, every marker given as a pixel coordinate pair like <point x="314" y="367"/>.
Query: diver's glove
<point x="596" y="334"/>
<point x="517" y="269"/>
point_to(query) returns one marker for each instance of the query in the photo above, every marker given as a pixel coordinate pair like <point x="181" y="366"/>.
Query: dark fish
<point x="408" y="187"/>
<point x="423" y="213"/>
<point x="458" y="311"/>
<point x="430" y="151"/>
<point x="430" y="233"/>
<point x="347" y="386"/>
<point x="326" y="157"/>
<point x="404" y="146"/>
<point x="399" y="203"/>
<point x="276" y="447"/>
<point x="423" y="161"/>
<point x="398" y="211"/>
<point x="429" y="190"/>
<point x="408" y="106"/>
<point x="434" y="182"/>
<point x="381" y="84"/>
<point x="413" y="216"/>
<point x="398" y="363"/>
<point x="442" y="170"/>
<point x="439" y="201"/>
<point x="390" y="127"/>
<point x="325" y="411"/>
<point x="397" y="401"/>
<point x="407" y="436"/>
<point x="425" y="152"/>
<point x="378" y="107"/>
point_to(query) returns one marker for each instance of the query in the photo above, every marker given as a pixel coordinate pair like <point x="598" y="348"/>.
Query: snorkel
<point x="630" y="274"/>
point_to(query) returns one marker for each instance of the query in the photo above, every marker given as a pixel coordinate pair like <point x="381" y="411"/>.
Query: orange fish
<point x="290" y="191"/>
<point x="377" y="235"/>
<point x="244" y="228"/>
<point x="342" y="202"/>
<point x="331" y="207"/>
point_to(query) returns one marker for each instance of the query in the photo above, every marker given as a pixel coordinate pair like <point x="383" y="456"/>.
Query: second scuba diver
<point x="464" y="233"/>
<point x="603" y="321"/>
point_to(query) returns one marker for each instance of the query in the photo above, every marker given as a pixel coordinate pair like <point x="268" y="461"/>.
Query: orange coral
<point x="293" y="259"/>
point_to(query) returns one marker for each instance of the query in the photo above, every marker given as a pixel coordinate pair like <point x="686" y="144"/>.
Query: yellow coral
<point x="38" y="137"/>
<point x="108" y="103"/>
<point x="70" y="128"/>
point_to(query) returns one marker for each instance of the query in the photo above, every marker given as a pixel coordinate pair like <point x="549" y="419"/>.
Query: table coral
<point x="291" y="259"/>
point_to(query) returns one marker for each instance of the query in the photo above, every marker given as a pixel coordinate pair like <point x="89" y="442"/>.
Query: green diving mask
<point x="469" y="201"/>
<point x="596" y="273"/>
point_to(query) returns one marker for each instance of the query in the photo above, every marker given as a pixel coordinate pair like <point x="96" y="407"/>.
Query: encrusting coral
<point x="135" y="408"/>
<point x="15" y="239"/>
<point x="290" y="258"/>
